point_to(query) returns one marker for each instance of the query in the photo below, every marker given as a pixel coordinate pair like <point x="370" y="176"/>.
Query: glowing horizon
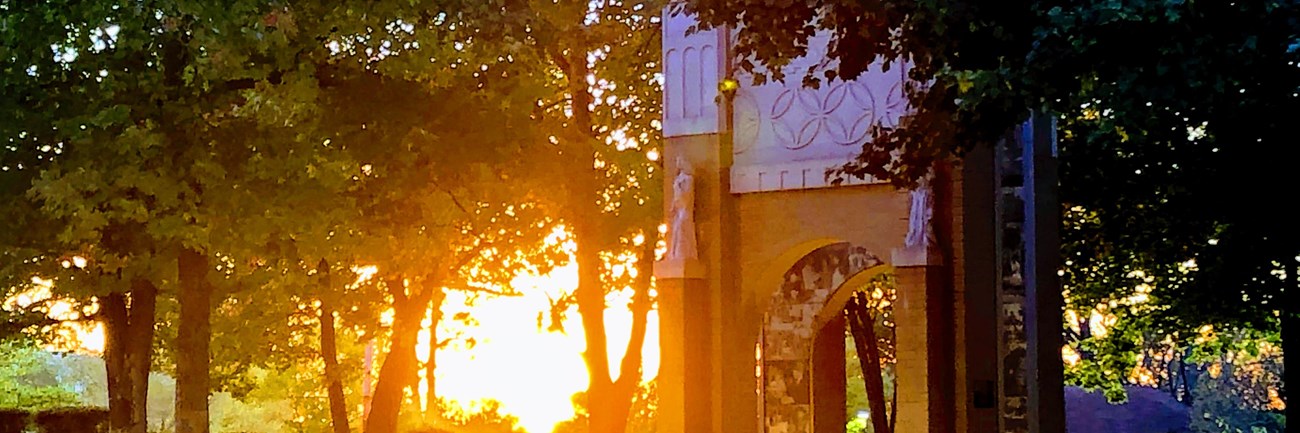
<point x="531" y="372"/>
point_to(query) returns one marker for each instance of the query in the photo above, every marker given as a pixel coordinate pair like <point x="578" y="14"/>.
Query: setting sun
<point x="532" y="372"/>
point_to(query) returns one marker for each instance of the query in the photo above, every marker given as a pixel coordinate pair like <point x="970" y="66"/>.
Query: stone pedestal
<point x="669" y="269"/>
<point x="684" y="342"/>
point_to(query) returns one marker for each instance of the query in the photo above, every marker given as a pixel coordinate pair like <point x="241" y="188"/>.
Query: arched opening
<point x="861" y="397"/>
<point x="829" y="296"/>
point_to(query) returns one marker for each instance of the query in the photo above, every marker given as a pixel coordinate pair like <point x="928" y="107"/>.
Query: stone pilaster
<point x="919" y="272"/>
<point x="694" y="297"/>
<point x="828" y="376"/>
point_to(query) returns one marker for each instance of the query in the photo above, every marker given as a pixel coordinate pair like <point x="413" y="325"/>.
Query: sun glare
<point x="532" y="372"/>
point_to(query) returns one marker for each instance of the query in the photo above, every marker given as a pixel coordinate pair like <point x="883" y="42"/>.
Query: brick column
<point x="919" y="396"/>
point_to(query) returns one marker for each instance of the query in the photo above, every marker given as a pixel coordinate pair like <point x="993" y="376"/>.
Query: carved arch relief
<point x="790" y="326"/>
<point x="692" y="70"/>
<point x="786" y="121"/>
<point x="787" y="135"/>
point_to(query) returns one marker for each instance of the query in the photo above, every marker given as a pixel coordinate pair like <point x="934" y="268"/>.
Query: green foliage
<point x="857" y="425"/>
<point x="290" y="398"/>
<point x="230" y="415"/>
<point x="51" y="420"/>
<point x="1219" y="407"/>
<point x="28" y="379"/>
<point x="855" y="395"/>
<point x="414" y="136"/>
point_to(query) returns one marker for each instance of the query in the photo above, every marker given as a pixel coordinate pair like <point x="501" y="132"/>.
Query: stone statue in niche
<point x="919" y="231"/>
<point x="681" y="222"/>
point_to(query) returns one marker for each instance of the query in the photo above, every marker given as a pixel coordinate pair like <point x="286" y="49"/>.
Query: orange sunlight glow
<point x="72" y="335"/>
<point x="532" y="372"/>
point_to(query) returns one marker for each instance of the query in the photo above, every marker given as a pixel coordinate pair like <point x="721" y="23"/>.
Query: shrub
<point x="73" y="420"/>
<point x="13" y="420"/>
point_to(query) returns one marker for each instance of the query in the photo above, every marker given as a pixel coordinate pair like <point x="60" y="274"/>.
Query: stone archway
<point x="795" y="317"/>
<point x="765" y="211"/>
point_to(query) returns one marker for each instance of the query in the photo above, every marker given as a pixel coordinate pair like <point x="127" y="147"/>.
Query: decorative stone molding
<point x="693" y="66"/>
<point x="777" y="122"/>
<point x="789" y="176"/>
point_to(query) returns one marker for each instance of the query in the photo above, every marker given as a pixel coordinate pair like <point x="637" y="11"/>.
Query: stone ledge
<point x="794" y="175"/>
<point x="915" y="256"/>
<point x="690" y="269"/>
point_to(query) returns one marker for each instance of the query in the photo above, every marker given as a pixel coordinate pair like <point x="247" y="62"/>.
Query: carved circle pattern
<point x="895" y="105"/>
<point x="866" y="102"/>
<point x="800" y="116"/>
<point x="749" y="121"/>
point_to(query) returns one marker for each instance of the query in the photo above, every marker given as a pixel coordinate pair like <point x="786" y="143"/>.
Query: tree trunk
<point x="893" y="404"/>
<point x="607" y="412"/>
<point x="139" y="350"/>
<point x="863" y="327"/>
<point x="128" y="350"/>
<point x="113" y="312"/>
<point x="610" y="402"/>
<point x="607" y="408"/>
<point x="400" y="364"/>
<point x="329" y="353"/>
<point x="431" y="365"/>
<point x="367" y="391"/>
<point x="1291" y="346"/>
<point x="193" y="337"/>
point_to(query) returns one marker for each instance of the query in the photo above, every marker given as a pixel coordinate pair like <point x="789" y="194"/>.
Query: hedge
<point x="61" y="420"/>
<point x="73" y="420"/>
<point x="13" y="420"/>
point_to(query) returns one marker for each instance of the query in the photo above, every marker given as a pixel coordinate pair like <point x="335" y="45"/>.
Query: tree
<point x="329" y="354"/>
<point x="596" y="62"/>
<point x="1158" y="134"/>
<point x="433" y="214"/>
<point x="161" y="136"/>
<point x="44" y="78"/>
<point x="182" y="164"/>
<point x="869" y="314"/>
<point x="1236" y="392"/>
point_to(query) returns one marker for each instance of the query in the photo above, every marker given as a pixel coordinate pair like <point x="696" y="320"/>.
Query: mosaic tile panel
<point x="788" y="332"/>
<point x="1013" y="398"/>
